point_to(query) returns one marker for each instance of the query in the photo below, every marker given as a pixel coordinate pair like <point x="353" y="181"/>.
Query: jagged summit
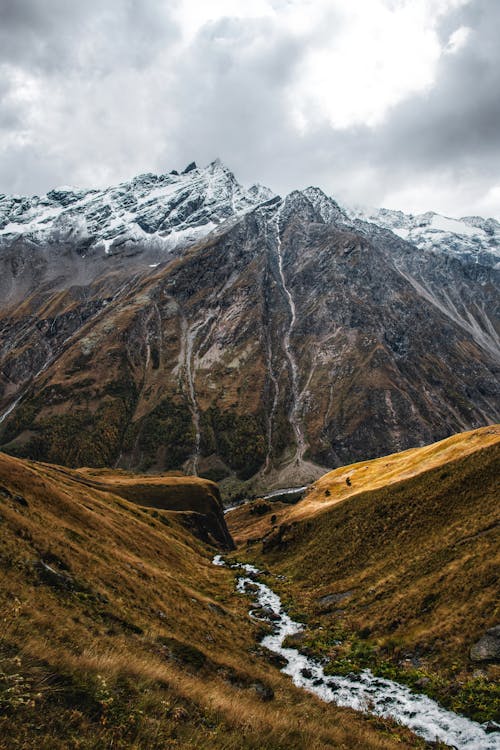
<point x="327" y="207"/>
<point x="162" y="209"/>
<point x="172" y="209"/>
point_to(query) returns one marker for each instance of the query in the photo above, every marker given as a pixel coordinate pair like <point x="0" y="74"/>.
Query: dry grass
<point x="158" y="491"/>
<point x="414" y="562"/>
<point x="332" y="488"/>
<point x="131" y="638"/>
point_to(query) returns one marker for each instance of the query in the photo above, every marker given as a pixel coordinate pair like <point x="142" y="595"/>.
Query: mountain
<point x="182" y="322"/>
<point x="472" y="236"/>
<point x="117" y="630"/>
<point x="392" y="563"/>
<point x="162" y="211"/>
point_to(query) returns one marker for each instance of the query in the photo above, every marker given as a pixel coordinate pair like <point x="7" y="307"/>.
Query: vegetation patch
<point x="168" y="426"/>
<point x="418" y="559"/>
<point x="240" y="439"/>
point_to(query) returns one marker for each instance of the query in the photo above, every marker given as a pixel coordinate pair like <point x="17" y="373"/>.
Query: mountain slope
<point x="117" y="631"/>
<point x="398" y="569"/>
<point x="291" y="338"/>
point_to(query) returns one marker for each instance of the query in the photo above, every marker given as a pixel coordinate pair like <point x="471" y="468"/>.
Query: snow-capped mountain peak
<point x="470" y="236"/>
<point x="165" y="210"/>
<point x="327" y="207"/>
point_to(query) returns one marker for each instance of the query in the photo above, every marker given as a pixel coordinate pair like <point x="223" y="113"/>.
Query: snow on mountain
<point x="329" y="210"/>
<point x="166" y="210"/>
<point x="174" y="209"/>
<point x="471" y="236"/>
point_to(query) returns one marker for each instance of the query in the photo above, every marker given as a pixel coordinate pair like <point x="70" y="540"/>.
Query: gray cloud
<point x="459" y="119"/>
<point x="451" y="133"/>
<point x="93" y="37"/>
<point x="111" y="90"/>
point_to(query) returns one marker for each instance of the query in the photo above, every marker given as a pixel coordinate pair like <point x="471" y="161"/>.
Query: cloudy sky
<point x="379" y="102"/>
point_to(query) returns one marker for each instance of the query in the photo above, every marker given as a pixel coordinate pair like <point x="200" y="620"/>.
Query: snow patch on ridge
<point x="162" y="210"/>
<point x="470" y="237"/>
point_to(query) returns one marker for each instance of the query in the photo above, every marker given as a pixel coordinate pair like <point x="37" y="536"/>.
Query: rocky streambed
<point x="361" y="691"/>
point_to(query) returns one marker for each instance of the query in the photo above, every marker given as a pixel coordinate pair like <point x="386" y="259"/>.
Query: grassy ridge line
<point x="117" y="631"/>
<point x="381" y="472"/>
<point x="332" y="488"/>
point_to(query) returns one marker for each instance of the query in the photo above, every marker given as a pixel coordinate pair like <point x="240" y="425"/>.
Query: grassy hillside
<point x="198" y="500"/>
<point x="399" y="569"/>
<point x="118" y="632"/>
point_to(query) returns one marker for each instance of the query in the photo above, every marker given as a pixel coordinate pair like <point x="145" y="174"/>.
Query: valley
<point x="119" y="630"/>
<point x="249" y="460"/>
<point x="394" y="571"/>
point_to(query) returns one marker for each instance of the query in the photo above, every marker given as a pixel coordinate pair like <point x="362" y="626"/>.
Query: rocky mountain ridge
<point x="472" y="236"/>
<point x="164" y="210"/>
<point x="236" y="334"/>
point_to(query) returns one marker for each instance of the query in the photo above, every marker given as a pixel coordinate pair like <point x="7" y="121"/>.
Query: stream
<point x="362" y="691"/>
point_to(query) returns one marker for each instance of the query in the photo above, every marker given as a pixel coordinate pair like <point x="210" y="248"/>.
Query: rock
<point x="265" y="613"/>
<point x="260" y="508"/>
<point x="326" y="602"/>
<point x="264" y="692"/>
<point x="296" y="640"/>
<point x="7" y="495"/>
<point x="422" y="682"/>
<point x="275" y="659"/>
<point x="487" y="648"/>
<point x="53" y="577"/>
<point x="491" y="726"/>
<point x="306" y="673"/>
<point x="216" y="608"/>
<point x="250" y="588"/>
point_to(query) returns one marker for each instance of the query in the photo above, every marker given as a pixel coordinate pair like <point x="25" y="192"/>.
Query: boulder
<point x="265" y="613"/>
<point x="264" y="692"/>
<point x="326" y="603"/>
<point x="487" y="648"/>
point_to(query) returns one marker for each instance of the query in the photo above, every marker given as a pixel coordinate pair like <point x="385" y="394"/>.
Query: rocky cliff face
<point x="235" y="334"/>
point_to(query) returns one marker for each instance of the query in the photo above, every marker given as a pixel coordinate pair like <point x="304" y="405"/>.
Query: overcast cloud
<point x="379" y="102"/>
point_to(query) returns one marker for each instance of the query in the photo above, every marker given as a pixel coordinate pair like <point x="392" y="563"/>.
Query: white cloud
<point x="371" y="99"/>
<point x="458" y="39"/>
<point x="379" y="56"/>
<point x="193" y="14"/>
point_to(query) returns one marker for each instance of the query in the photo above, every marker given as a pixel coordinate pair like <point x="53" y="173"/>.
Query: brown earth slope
<point x="399" y="570"/>
<point x="197" y="501"/>
<point x="118" y="632"/>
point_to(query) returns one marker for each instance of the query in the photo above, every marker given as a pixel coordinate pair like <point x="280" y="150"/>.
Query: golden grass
<point x="413" y="543"/>
<point x="132" y="638"/>
<point x="364" y="476"/>
<point x="159" y="491"/>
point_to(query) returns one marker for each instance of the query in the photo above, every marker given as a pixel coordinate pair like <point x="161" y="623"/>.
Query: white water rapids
<point x="363" y="691"/>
